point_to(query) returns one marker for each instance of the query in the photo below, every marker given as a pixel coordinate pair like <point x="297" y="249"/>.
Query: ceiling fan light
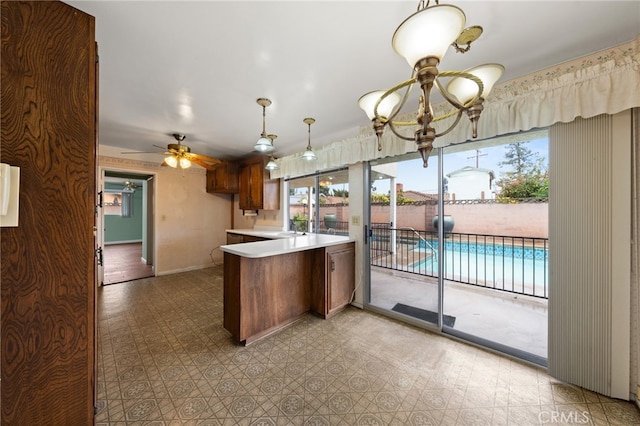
<point x="428" y="32"/>
<point x="184" y="163"/>
<point x="465" y="90"/>
<point x="171" y="161"/>
<point x="368" y="102"/>
<point x="263" y="145"/>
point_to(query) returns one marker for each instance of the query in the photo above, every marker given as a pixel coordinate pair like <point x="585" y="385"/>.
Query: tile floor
<point x="164" y="359"/>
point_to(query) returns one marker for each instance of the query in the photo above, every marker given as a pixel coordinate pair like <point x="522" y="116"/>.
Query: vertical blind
<point x="589" y="255"/>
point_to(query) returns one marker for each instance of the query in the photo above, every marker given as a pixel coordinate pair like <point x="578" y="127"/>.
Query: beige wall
<point x="189" y="222"/>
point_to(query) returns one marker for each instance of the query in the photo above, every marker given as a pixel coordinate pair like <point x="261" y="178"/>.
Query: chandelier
<point x="264" y="144"/>
<point x="423" y="39"/>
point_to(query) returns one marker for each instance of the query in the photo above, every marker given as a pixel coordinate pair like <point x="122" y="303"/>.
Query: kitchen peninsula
<point x="271" y="283"/>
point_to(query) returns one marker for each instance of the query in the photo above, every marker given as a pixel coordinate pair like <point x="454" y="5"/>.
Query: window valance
<point x="605" y="82"/>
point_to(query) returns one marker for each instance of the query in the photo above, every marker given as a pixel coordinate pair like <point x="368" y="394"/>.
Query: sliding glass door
<point x="469" y="259"/>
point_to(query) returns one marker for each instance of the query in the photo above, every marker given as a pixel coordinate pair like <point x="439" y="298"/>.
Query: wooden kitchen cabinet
<point x="233" y="238"/>
<point x="264" y="294"/>
<point x="335" y="271"/>
<point x="256" y="190"/>
<point x="224" y="179"/>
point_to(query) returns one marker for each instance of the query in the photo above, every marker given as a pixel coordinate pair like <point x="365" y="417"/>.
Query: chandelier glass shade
<point x="428" y="33"/>
<point x="423" y="39"/>
<point x="308" y="154"/>
<point x="264" y="144"/>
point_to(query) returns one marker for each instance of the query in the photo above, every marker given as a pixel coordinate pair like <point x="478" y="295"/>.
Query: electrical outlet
<point x="355" y="220"/>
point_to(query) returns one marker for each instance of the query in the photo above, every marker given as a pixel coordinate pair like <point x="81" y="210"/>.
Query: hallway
<point x="123" y="262"/>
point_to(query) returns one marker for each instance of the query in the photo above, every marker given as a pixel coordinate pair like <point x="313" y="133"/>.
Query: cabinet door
<point x="256" y="185"/>
<point x="224" y="179"/>
<point x="340" y="277"/>
<point x="244" y="187"/>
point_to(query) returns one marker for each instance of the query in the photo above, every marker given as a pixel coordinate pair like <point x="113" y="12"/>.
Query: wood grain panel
<point x="48" y="270"/>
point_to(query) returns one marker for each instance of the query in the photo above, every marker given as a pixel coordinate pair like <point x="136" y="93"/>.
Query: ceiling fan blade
<point x="203" y="164"/>
<point x="200" y="157"/>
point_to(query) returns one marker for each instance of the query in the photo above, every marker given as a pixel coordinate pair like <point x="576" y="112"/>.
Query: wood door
<point x="48" y="80"/>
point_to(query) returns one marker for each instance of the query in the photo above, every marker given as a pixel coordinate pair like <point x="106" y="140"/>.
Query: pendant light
<point x="309" y="155"/>
<point x="272" y="165"/>
<point x="264" y="144"/>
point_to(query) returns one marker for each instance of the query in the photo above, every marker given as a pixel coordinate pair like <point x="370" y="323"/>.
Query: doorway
<point x="127" y="231"/>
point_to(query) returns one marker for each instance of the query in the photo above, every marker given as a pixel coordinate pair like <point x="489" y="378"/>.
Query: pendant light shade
<point x="272" y="165"/>
<point x="428" y="33"/>
<point x="184" y="163"/>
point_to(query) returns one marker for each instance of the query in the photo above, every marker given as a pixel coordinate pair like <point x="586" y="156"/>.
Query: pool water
<point x="515" y="269"/>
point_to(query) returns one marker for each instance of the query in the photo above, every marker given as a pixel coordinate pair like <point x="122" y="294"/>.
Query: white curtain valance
<point x="605" y="82"/>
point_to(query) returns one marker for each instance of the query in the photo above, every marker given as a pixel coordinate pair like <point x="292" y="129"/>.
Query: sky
<point x="414" y="177"/>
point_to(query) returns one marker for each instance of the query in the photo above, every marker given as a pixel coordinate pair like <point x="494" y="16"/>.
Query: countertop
<point x="281" y="243"/>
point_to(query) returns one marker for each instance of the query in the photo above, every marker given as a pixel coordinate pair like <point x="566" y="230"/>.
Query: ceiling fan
<point x="179" y="155"/>
<point x="129" y="186"/>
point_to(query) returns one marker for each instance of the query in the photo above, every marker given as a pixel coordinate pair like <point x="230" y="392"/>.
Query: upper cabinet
<point x="224" y="179"/>
<point x="257" y="190"/>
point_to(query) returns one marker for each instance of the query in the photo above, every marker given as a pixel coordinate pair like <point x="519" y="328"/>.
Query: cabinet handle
<point x="333" y="265"/>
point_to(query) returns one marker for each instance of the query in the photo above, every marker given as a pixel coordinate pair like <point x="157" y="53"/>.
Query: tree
<point x="344" y="193"/>
<point x="527" y="177"/>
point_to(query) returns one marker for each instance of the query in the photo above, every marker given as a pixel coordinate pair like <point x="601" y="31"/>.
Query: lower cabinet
<point x="334" y="279"/>
<point x="263" y="294"/>
<point x="233" y="238"/>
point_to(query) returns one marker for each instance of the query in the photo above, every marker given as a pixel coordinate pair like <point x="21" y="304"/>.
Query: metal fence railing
<point x="512" y="264"/>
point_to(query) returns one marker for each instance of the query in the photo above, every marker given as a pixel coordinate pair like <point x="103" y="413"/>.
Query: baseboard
<point x="122" y="242"/>
<point x="190" y="268"/>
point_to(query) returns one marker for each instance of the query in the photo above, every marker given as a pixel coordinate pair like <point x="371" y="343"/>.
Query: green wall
<point x="124" y="229"/>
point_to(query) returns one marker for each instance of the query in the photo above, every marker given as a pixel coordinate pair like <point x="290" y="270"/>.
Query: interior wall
<point x="190" y="223"/>
<point x="118" y="229"/>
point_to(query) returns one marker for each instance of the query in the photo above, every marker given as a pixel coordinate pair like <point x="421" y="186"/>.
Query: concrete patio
<point x="509" y="319"/>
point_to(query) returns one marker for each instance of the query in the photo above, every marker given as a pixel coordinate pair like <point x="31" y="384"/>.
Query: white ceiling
<point x="198" y="67"/>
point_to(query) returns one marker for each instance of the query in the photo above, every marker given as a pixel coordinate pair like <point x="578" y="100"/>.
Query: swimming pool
<point x="517" y="269"/>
